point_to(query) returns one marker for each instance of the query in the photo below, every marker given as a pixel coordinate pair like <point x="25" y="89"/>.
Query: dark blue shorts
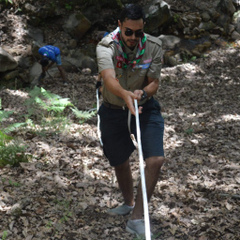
<point x="117" y="144"/>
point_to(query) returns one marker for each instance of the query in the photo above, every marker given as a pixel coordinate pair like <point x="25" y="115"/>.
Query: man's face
<point x="131" y="31"/>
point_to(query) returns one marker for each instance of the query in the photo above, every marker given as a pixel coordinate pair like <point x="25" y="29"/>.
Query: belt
<point x="112" y="106"/>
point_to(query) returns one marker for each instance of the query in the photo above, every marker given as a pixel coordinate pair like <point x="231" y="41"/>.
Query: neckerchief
<point x="120" y="46"/>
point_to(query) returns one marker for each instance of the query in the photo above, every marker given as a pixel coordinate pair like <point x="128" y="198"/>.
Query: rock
<point x="169" y="41"/>
<point x="236" y="20"/>
<point x="36" y="34"/>
<point x="10" y="75"/>
<point x="24" y="62"/>
<point x="196" y="31"/>
<point x="231" y="28"/>
<point x="206" y="16"/>
<point x="30" y="8"/>
<point x="72" y="64"/>
<point x="86" y="71"/>
<point x="214" y="37"/>
<point x="235" y="35"/>
<point x="157" y="12"/>
<point x="214" y="14"/>
<point x="224" y="21"/>
<point x="36" y="70"/>
<point x="7" y="62"/>
<point x="227" y="7"/>
<point x="207" y="26"/>
<point x="88" y="62"/>
<point x="77" y="25"/>
<point x="35" y="48"/>
<point x="72" y="44"/>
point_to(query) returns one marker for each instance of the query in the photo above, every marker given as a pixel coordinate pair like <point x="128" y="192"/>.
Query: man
<point x="52" y="53"/>
<point x="129" y="62"/>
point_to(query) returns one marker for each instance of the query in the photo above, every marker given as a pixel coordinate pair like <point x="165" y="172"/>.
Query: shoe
<point x="121" y="210"/>
<point x="136" y="227"/>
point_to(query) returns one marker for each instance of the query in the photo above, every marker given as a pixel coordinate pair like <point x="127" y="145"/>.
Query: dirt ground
<point x="65" y="191"/>
<point x="67" y="188"/>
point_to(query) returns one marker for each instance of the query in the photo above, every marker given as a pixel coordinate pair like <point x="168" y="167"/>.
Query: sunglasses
<point x="138" y="33"/>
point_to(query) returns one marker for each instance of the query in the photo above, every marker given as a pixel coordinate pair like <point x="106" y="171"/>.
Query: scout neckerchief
<point x="120" y="46"/>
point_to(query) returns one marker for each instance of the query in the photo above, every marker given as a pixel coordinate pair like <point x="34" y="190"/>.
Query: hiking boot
<point x="121" y="210"/>
<point x="136" y="227"/>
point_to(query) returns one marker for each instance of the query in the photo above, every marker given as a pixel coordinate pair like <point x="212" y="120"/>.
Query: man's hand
<point x="129" y="97"/>
<point x="138" y="94"/>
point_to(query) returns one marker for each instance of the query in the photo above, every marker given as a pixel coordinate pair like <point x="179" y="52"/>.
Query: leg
<point x="125" y="182"/>
<point x="62" y="72"/>
<point x="152" y="169"/>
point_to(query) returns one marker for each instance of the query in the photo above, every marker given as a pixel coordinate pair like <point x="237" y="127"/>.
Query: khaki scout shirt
<point x="130" y="78"/>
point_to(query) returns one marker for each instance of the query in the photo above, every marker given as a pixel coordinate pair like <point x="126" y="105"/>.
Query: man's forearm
<point x="111" y="83"/>
<point x="152" y="87"/>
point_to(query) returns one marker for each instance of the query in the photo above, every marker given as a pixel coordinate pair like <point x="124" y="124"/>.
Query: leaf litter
<point x="65" y="191"/>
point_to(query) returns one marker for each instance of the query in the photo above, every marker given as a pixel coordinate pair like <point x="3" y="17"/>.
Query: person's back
<point x="52" y="53"/>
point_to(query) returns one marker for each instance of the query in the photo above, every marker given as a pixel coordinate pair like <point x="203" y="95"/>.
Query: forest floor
<point x="64" y="192"/>
<point x="68" y="186"/>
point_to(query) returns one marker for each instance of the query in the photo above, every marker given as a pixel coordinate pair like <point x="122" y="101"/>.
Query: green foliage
<point x="4" y="138"/>
<point x="4" y="115"/>
<point x="176" y="18"/>
<point x="42" y="102"/>
<point x="189" y="131"/>
<point x="4" y="236"/>
<point x="6" y="1"/>
<point x="13" y="127"/>
<point x="14" y="184"/>
<point x="46" y="114"/>
<point x="68" y="6"/>
<point x="11" y="151"/>
<point x="83" y="115"/>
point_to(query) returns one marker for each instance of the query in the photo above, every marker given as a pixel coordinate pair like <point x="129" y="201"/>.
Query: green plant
<point x="4" y="114"/>
<point x="14" y="184"/>
<point x="83" y="115"/>
<point x="189" y="131"/>
<point x="176" y="18"/>
<point x="11" y="150"/>
<point x="4" y="236"/>
<point x="50" y="224"/>
<point x="7" y="1"/>
<point x="42" y="102"/>
<point x="68" y="6"/>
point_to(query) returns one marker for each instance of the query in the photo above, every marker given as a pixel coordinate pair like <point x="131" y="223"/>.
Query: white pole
<point x="98" y="118"/>
<point x="144" y="191"/>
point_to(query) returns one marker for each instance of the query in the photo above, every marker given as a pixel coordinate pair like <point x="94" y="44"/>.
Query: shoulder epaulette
<point x="154" y="39"/>
<point x="106" y="41"/>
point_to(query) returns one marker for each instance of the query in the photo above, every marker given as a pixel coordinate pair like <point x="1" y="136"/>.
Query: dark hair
<point x="44" y="62"/>
<point x="133" y="12"/>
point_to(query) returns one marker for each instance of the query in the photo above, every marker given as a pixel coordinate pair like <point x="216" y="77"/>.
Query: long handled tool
<point x="138" y="145"/>
<point x="98" y="118"/>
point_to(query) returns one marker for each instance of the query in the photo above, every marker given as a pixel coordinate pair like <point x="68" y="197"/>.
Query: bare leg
<point x="153" y="166"/>
<point x="125" y="182"/>
<point x="62" y="72"/>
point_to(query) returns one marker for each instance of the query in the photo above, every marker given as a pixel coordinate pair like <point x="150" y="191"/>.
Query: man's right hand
<point x="129" y="97"/>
